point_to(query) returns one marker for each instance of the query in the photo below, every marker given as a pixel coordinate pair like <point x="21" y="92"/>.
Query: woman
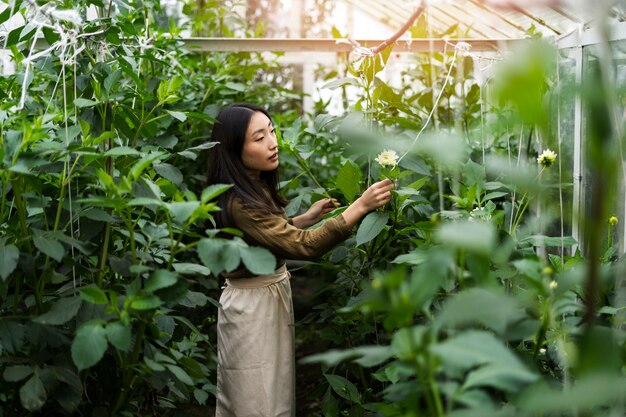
<point x="256" y="369"/>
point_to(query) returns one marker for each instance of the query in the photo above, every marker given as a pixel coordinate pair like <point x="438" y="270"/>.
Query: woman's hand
<point x="377" y="195"/>
<point x="315" y="213"/>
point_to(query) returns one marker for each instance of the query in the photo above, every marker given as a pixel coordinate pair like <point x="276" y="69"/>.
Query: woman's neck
<point x="253" y="175"/>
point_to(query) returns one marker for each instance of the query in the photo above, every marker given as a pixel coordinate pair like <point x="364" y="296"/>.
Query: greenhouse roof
<point x="482" y="23"/>
<point x="482" y="19"/>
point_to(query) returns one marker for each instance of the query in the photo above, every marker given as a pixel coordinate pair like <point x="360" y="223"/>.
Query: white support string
<point x="459" y="46"/>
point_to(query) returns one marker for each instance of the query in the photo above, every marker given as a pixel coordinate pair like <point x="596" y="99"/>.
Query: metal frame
<point x="578" y="40"/>
<point x="335" y="45"/>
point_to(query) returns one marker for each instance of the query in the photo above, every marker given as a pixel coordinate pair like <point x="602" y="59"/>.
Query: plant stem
<point x="127" y="378"/>
<point x="61" y="197"/>
<point x="104" y="250"/>
<point x="541" y="333"/>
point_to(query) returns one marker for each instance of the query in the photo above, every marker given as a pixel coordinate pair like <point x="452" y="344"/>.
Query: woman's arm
<point x="377" y="195"/>
<point x="315" y="213"/>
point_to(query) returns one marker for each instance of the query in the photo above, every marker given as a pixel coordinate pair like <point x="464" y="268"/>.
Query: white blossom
<point x="387" y="158"/>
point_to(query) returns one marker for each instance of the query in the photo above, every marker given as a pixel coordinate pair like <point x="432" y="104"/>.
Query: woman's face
<point x="260" y="148"/>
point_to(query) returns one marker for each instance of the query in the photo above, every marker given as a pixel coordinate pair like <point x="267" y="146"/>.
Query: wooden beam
<point x="332" y="45"/>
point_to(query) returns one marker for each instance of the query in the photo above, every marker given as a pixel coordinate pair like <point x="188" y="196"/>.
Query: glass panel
<point x="616" y="195"/>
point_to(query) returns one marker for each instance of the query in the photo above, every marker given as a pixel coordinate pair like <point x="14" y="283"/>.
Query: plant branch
<point x="400" y="31"/>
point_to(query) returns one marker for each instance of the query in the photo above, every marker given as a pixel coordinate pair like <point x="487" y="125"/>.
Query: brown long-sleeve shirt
<point x="277" y="234"/>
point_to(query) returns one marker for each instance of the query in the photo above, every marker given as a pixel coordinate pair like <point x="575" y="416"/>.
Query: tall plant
<point x="108" y="269"/>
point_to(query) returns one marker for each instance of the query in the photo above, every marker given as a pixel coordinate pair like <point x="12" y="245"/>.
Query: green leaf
<point x="5" y="15"/>
<point x="9" y="256"/>
<point x="194" y="299"/>
<point x="473" y="348"/>
<point x="169" y="172"/>
<point x="122" y="151"/>
<point x="415" y="164"/>
<point x="258" y="260"/>
<point x="62" y="311"/>
<point x="589" y="392"/>
<point x="417" y="185"/>
<point x="371" y="226"/>
<point x="373" y="355"/>
<point x="540" y="240"/>
<point x="83" y="102"/>
<point x="235" y="86"/>
<point x="218" y="255"/>
<point x="348" y="180"/>
<point x="474" y="174"/>
<point x="180" y="374"/>
<point x="112" y="79"/>
<point x="161" y="278"/>
<point x="14" y="36"/>
<point x="480" y="306"/>
<point x="17" y="373"/>
<point x="212" y="191"/>
<point x="33" y="394"/>
<point x="501" y="377"/>
<point x="155" y="366"/>
<point x="200" y="396"/>
<point x="179" y="115"/>
<point x="145" y="302"/>
<point x="366" y="356"/>
<point x="94" y="295"/>
<point x="343" y="388"/>
<point x="89" y="345"/>
<point x="119" y="335"/>
<point x="182" y="211"/>
<point x="11" y="335"/>
<point x="141" y="165"/>
<point x="475" y="237"/>
<point x="70" y="395"/>
<point x="49" y="247"/>
<point x="330" y="358"/>
<point x="340" y="82"/>
<point x="189" y="268"/>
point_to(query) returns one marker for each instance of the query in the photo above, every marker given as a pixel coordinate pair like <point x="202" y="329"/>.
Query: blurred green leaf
<point x="475" y="237"/>
<point x="472" y="348"/>
<point x="500" y="377"/>
<point x="585" y="395"/>
<point x="480" y="306"/>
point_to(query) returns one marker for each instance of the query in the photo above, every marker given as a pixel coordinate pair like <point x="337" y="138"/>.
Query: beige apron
<point x="255" y="348"/>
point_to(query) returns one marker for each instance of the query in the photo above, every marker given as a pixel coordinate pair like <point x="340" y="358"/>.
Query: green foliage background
<point x="452" y="300"/>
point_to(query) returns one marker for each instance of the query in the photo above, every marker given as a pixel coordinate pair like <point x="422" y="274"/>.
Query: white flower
<point x="387" y="158"/>
<point x="553" y="285"/>
<point x="546" y="158"/>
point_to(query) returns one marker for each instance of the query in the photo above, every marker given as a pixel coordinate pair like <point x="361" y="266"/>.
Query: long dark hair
<point x="226" y="166"/>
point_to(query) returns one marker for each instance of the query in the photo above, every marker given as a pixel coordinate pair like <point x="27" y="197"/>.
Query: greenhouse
<point x="313" y="208"/>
